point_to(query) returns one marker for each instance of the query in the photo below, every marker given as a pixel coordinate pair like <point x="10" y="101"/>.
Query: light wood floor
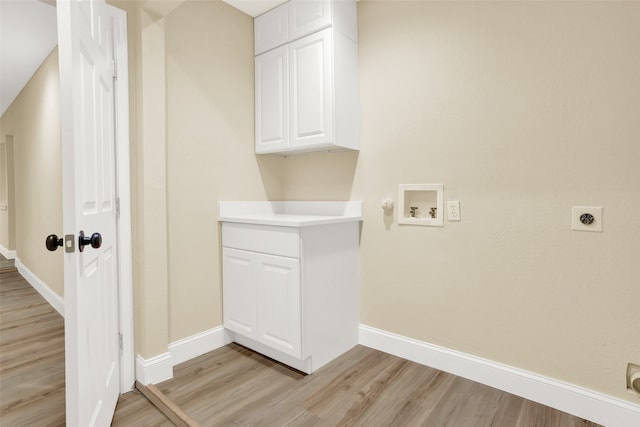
<point x="4" y="263"/>
<point x="31" y="356"/>
<point x="364" y="387"/>
<point x="236" y="386"/>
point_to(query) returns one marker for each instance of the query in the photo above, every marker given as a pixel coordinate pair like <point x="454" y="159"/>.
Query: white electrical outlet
<point x="586" y="218"/>
<point x="453" y="210"/>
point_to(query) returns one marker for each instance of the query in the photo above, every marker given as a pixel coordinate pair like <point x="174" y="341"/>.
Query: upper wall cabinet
<point x="307" y="17"/>
<point x="271" y="29"/>
<point x="306" y="77"/>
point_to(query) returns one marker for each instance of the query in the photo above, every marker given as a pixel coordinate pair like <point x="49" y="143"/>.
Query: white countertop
<point x="289" y="213"/>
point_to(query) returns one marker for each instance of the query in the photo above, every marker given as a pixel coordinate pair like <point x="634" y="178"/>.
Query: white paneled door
<point x="86" y="52"/>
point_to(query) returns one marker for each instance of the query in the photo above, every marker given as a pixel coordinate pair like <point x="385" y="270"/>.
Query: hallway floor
<point x="31" y="356"/>
<point x="5" y="263"/>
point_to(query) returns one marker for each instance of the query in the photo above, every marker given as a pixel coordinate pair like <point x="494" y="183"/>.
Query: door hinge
<point x="120" y="341"/>
<point x="114" y="69"/>
<point x="117" y="207"/>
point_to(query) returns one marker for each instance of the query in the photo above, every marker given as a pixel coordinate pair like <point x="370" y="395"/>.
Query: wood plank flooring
<point x="31" y="356"/>
<point x="236" y="386"/>
<point x="364" y="387"/>
<point x="5" y="263"/>
<point x="134" y="410"/>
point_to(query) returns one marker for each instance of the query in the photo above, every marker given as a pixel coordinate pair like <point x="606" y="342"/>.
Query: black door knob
<point x="53" y="242"/>
<point x="95" y="241"/>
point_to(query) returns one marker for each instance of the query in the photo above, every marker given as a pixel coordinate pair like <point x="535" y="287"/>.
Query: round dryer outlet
<point x="633" y="378"/>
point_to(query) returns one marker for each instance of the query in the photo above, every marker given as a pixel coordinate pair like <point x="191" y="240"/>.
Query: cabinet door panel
<point x="279" y="313"/>
<point x="239" y="292"/>
<point x="312" y="90"/>
<point x="272" y="100"/>
<point x="271" y="29"/>
<point x="307" y="17"/>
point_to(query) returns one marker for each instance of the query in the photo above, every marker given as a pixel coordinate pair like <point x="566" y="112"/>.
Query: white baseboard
<point x="198" y="344"/>
<point x="565" y="397"/>
<point x="154" y="370"/>
<point x="160" y="368"/>
<point x="7" y="253"/>
<point x="43" y="289"/>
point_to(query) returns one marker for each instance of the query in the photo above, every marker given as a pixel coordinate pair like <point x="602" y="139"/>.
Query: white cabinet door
<point x="307" y="17"/>
<point x="311" y="90"/>
<point x="279" y="304"/>
<point x="239" y="291"/>
<point x="272" y="100"/>
<point x="271" y="29"/>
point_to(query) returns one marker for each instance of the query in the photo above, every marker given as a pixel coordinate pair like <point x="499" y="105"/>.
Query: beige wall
<point x="33" y="120"/>
<point x="521" y="110"/>
<point x="210" y="151"/>
<point x="191" y="86"/>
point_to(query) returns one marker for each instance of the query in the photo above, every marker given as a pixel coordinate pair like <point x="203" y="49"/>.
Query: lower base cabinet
<point x="262" y="298"/>
<point x="292" y="293"/>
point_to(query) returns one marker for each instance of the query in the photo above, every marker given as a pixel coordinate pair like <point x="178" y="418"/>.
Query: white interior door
<point x="89" y="204"/>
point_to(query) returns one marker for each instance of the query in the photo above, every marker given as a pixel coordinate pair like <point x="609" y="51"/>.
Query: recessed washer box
<point x="586" y="218"/>
<point x="421" y="204"/>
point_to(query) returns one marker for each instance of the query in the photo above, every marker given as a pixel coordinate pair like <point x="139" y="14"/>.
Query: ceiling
<point x="254" y="7"/>
<point x="28" y="34"/>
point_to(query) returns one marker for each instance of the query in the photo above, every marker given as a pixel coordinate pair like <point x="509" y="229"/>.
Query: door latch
<point x="69" y="243"/>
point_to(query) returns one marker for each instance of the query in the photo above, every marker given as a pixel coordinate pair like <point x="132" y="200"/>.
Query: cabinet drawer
<point x="283" y="241"/>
